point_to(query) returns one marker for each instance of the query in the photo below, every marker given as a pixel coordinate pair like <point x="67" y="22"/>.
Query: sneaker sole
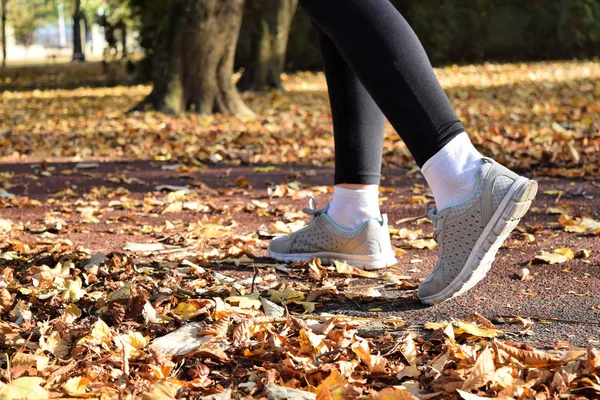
<point x="513" y="207"/>
<point x="366" y="262"/>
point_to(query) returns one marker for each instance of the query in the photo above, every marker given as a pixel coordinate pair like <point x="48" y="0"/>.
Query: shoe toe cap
<point x="281" y="245"/>
<point x="432" y="286"/>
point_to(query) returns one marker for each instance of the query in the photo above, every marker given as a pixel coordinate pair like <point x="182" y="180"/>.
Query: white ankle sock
<point x="451" y="172"/>
<point x="349" y="208"/>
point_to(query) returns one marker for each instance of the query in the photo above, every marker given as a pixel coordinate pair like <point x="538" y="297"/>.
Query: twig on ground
<point x="253" y="279"/>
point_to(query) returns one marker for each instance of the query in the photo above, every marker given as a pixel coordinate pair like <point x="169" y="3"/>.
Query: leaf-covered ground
<point x="133" y="249"/>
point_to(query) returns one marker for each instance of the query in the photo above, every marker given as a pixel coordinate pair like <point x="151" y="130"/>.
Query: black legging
<point x="374" y="62"/>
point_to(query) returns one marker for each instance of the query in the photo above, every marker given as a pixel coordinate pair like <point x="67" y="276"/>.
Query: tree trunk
<point x="4" y="33"/>
<point x="271" y="20"/>
<point x="122" y="26"/>
<point x="193" y="59"/>
<point x="78" y="33"/>
<point x="124" y="40"/>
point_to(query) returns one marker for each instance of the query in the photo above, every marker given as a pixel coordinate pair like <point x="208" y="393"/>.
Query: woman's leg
<point x="478" y="201"/>
<point x="350" y="228"/>
<point x="382" y="49"/>
<point x="388" y="58"/>
<point x="358" y="127"/>
<point x="358" y="123"/>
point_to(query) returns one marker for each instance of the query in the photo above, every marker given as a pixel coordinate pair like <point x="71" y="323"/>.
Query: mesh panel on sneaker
<point x="316" y="237"/>
<point x="499" y="190"/>
<point x="321" y="235"/>
<point x="463" y="233"/>
<point x="464" y="223"/>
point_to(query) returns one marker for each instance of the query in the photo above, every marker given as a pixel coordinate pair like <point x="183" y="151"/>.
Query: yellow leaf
<point x="343" y="268"/>
<point x="288" y="294"/>
<point x="100" y="335"/>
<point x="310" y="339"/>
<point x="101" y="330"/>
<point x="410" y="234"/>
<point x="575" y="228"/>
<point x="309" y="306"/>
<point x="470" y="396"/>
<point x="565" y="251"/>
<point x="133" y="343"/>
<point x="247" y="301"/>
<point x="419" y="199"/>
<point x="173" y="207"/>
<point x="76" y="386"/>
<point x="550" y="258"/>
<point x="555" y="210"/>
<point x="375" y="363"/>
<point x="260" y="204"/>
<point x="71" y="313"/>
<point x="553" y="192"/>
<point x="241" y="181"/>
<point x="332" y="387"/>
<point x="74" y="289"/>
<point x="391" y="277"/>
<point x="394" y="394"/>
<point x="186" y="310"/>
<point x="475" y="330"/>
<point x="268" y="168"/>
<point x="435" y="325"/>
<point x="23" y="388"/>
<point x="422" y="244"/>
<point x="162" y="390"/>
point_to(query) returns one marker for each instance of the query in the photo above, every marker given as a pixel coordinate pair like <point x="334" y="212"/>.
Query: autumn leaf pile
<point x="540" y="115"/>
<point x="105" y="327"/>
<point x="185" y="305"/>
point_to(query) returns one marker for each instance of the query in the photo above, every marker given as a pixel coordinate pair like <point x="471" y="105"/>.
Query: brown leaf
<point x="162" y="390"/>
<point x="217" y="329"/>
<point x="483" y="371"/>
<point x="531" y="358"/>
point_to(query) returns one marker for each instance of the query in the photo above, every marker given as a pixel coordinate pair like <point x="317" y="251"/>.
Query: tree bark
<point x="4" y="33"/>
<point x="193" y="59"/>
<point x="122" y="27"/>
<point x="271" y="21"/>
<point x="78" y="33"/>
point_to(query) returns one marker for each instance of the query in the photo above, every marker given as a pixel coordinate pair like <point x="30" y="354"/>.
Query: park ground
<point x="118" y="229"/>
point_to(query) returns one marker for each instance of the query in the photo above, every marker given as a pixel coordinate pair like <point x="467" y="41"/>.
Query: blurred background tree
<point x="3" y="22"/>
<point x="192" y="51"/>
<point x="275" y="37"/>
<point x="265" y="29"/>
<point x="24" y="16"/>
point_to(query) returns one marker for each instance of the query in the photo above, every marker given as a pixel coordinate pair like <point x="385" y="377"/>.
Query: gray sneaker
<point x="470" y="234"/>
<point x="367" y="247"/>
